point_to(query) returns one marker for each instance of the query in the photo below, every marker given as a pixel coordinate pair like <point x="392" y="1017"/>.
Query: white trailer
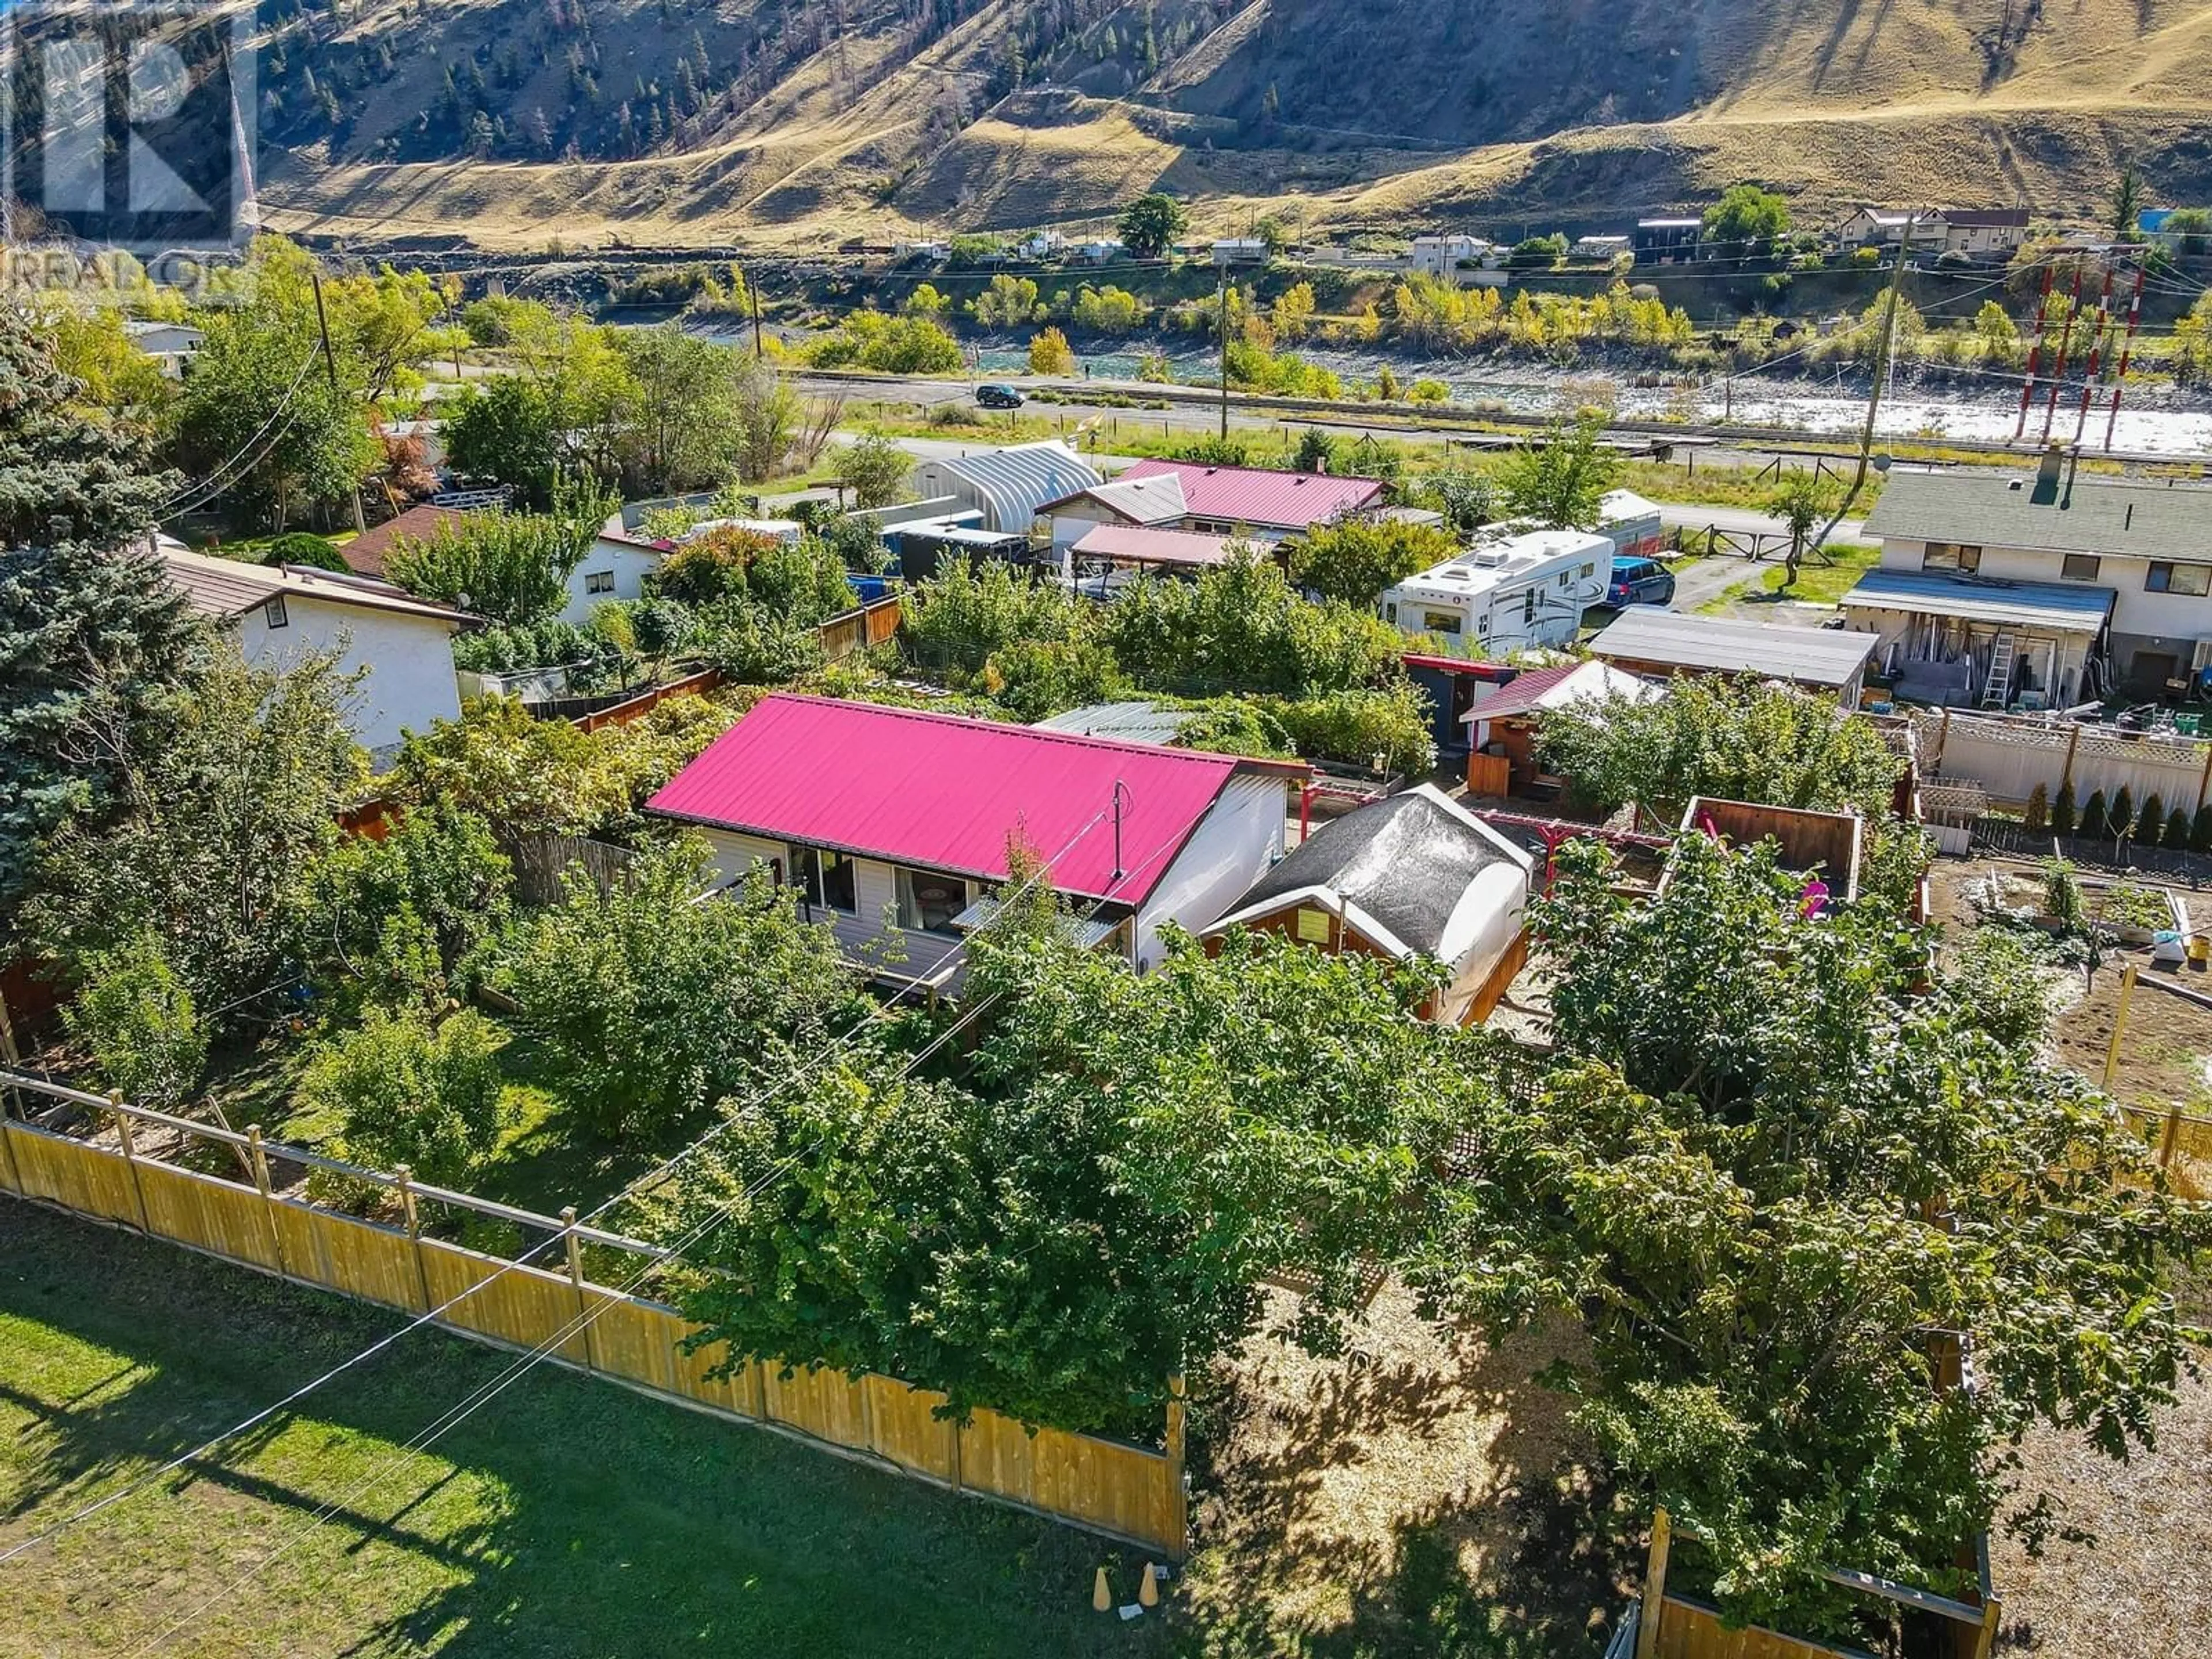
<point x="1521" y="592"/>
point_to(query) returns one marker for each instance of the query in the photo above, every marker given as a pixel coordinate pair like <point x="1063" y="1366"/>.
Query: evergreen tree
<point x="2122" y="818"/>
<point x="2177" y="831"/>
<point x="2200" y="832"/>
<point x="85" y="614"/>
<point x="2039" y="809"/>
<point x="2152" y="822"/>
<point x="2093" y="822"/>
<point x="2062" y="809"/>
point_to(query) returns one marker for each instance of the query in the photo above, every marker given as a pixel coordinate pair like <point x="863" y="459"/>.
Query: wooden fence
<point x="540" y="860"/>
<point x="855" y="631"/>
<point x="1122" y="1491"/>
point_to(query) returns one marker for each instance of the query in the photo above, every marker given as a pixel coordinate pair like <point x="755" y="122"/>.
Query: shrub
<point x="2003" y="986"/>
<point x="305" y="548"/>
<point x="2094" y="817"/>
<point x="2177" y="831"/>
<point x="960" y="617"/>
<point x="1049" y="354"/>
<point x="405" y="1091"/>
<point x="2200" y="832"/>
<point x="2122" y="818"/>
<point x="2039" y="809"/>
<point x="1364" y="729"/>
<point x="137" y="1019"/>
<point x="2062" y="809"/>
<point x="2150" y="825"/>
<point x="1354" y="560"/>
<point x="1033" y="680"/>
<point x="2061" y="894"/>
<point x="656" y="1004"/>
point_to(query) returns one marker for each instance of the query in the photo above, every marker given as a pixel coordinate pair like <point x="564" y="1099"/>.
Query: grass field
<point x="566" y="1517"/>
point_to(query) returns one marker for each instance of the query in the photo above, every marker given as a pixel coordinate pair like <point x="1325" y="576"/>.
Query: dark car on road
<point x="998" y="397"/>
<point x="1639" y="581"/>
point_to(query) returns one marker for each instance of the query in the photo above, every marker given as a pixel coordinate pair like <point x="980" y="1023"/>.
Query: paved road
<point x="1747" y="521"/>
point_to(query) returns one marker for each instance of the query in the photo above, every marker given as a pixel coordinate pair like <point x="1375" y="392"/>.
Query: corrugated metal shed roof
<point x="1014" y="483"/>
<point x="230" y="587"/>
<point x="1977" y="598"/>
<point x="945" y="791"/>
<point x="1141" y="545"/>
<point x="1721" y="645"/>
<point x="1141" y="500"/>
<point x="1256" y="496"/>
<point x="1983" y="507"/>
<point x="1124" y="722"/>
<point x="1551" y="688"/>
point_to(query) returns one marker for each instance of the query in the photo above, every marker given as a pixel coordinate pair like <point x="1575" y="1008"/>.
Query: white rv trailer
<point x="1510" y="593"/>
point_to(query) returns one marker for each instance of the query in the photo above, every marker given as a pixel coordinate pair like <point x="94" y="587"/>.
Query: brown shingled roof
<point x="365" y="554"/>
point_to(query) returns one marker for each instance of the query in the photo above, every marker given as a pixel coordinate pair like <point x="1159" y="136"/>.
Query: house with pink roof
<point x="1255" y="502"/>
<point x="895" y="824"/>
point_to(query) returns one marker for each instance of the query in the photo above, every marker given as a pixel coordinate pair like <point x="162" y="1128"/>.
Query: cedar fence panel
<point x="1099" y="1484"/>
<point x="1687" y="1631"/>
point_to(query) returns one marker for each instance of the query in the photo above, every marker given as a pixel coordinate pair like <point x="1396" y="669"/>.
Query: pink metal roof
<point x="1256" y="496"/>
<point x="1142" y="545"/>
<point x="943" y="792"/>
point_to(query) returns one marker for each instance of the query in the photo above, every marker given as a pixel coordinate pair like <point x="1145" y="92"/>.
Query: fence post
<point x="129" y="1156"/>
<point x="2171" y="1137"/>
<point x="2203" y="778"/>
<point x="1178" y="1491"/>
<point x="258" y="1161"/>
<point x="1992" y="1615"/>
<point x="1943" y="739"/>
<point x="1654" y="1588"/>
<point x="8" y="1144"/>
<point x="576" y="1278"/>
<point x="404" y="1174"/>
<point x="2073" y="742"/>
<point x="2119" y="1027"/>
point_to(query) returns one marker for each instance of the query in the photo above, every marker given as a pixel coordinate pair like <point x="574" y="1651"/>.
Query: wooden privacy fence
<point x="854" y="631"/>
<point x="1104" y="1486"/>
<point x="1671" y="1625"/>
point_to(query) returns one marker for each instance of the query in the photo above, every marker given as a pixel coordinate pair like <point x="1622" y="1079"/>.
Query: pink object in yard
<point x="943" y="791"/>
<point x="1815" y="897"/>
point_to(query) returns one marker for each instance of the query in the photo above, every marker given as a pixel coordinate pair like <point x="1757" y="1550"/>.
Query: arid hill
<point x="808" y="122"/>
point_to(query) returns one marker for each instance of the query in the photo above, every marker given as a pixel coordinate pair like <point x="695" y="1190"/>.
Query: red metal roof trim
<point x="943" y="791"/>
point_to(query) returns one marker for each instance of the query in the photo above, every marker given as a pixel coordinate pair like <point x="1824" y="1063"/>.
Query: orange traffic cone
<point x="1148" y="1588"/>
<point x="1102" y="1598"/>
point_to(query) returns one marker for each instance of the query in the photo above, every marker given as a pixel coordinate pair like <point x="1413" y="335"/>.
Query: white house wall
<point x="1234" y="845"/>
<point x="410" y="661"/>
<point x="626" y="564"/>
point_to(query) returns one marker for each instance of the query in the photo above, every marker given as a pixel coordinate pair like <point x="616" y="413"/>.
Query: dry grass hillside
<point x="807" y="122"/>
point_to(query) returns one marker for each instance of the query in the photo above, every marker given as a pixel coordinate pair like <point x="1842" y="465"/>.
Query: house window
<point x="2081" y="567"/>
<point x="823" y="878"/>
<point x="273" y="612"/>
<point x="599" y="582"/>
<point x="1390" y="612"/>
<point x="2167" y="577"/>
<point x="927" y="901"/>
<point x="1951" y="556"/>
<point x="1442" y="622"/>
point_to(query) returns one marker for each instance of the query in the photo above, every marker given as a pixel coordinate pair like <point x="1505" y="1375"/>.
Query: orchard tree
<point x="1354" y="559"/>
<point x="876" y="467"/>
<point x="511" y="566"/>
<point x="88" y="621"/>
<point x="1560" y="479"/>
<point x="1777" y="1166"/>
<point x="1798" y="504"/>
<point x="1746" y="222"/>
<point x="1150" y="225"/>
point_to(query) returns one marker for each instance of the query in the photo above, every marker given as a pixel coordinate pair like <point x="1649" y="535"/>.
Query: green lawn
<point x="1817" y="583"/>
<point x="567" y="1518"/>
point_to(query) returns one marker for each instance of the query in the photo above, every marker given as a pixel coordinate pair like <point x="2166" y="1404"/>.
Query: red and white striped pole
<point x="2127" y="350"/>
<point x="2034" y="358"/>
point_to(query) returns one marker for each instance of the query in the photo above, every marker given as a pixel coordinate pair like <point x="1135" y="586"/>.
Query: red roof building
<point x="366" y="553"/>
<point x="1217" y="499"/>
<point x="892" y="821"/>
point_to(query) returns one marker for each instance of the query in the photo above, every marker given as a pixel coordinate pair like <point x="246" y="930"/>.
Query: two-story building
<point x="281" y="614"/>
<point x="895" y="825"/>
<point x="2041" y="587"/>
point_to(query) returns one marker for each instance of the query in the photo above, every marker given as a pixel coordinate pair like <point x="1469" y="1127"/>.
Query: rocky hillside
<point x="809" y="121"/>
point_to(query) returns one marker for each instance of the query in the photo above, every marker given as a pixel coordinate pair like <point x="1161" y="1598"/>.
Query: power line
<point x="484" y="1393"/>
<point x="646" y="1182"/>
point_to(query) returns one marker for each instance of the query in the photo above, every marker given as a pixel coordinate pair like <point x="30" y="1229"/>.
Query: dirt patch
<point x="1422" y="1484"/>
<point x="2167" y="1041"/>
<point x="2138" y="1589"/>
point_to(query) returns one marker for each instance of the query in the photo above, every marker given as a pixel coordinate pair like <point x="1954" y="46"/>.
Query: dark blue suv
<point x="1639" y="581"/>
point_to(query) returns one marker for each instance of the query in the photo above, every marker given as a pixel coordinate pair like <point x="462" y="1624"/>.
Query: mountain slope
<point x="798" y="122"/>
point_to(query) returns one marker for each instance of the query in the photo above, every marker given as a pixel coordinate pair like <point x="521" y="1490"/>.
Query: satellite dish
<point x="1883" y="462"/>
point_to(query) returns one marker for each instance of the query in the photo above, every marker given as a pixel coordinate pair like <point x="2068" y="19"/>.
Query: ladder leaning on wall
<point x="1997" y="687"/>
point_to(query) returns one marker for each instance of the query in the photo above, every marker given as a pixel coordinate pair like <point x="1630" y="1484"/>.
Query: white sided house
<point x="1517" y="592"/>
<point x="895" y="825"/>
<point x="621" y="559"/>
<point x="284" y="614"/>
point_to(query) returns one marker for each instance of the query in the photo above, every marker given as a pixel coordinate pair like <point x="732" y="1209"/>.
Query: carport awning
<point x="2064" y="610"/>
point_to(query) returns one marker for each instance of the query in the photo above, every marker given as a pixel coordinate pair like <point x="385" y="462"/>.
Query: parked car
<point x="996" y="395"/>
<point x="1639" y="581"/>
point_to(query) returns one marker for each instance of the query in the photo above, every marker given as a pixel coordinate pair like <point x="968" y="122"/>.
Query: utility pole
<point x="1883" y="349"/>
<point x="331" y="365"/>
<point x="1221" y="300"/>
<point x="753" y="293"/>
